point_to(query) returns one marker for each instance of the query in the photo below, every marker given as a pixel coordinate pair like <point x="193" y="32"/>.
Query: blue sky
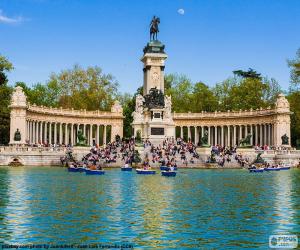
<point x="210" y="40"/>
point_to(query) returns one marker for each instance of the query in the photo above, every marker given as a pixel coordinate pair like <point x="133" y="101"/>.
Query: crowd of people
<point x="170" y="153"/>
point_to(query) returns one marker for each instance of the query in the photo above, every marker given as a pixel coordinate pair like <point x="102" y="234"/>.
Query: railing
<point x="280" y="152"/>
<point x="227" y="114"/>
<point x="31" y="149"/>
<point x="72" y="112"/>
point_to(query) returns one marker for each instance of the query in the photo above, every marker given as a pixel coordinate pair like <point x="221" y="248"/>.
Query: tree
<point x="5" y="66"/>
<point x="5" y="93"/>
<point x="180" y="89"/>
<point x="203" y="98"/>
<point x="76" y="88"/>
<point x="128" y="103"/>
<point x="294" y="65"/>
<point x="294" y="98"/>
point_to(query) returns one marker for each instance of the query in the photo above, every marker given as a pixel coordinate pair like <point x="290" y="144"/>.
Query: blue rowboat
<point x="284" y="168"/>
<point x="165" y="168"/>
<point x="272" y="169"/>
<point x="168" y="173"/>
<point x="256" y="170"/>
<point x="145" y="171"/>
<point x="72" y="169"/>
<point x="94" y="172"/>
<point x="126" y="168"/>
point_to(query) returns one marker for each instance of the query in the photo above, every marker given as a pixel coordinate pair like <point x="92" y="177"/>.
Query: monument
<point x="152" y="117"/>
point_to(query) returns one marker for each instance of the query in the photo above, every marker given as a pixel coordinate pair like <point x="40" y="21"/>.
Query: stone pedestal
<point x="152" y="118"/>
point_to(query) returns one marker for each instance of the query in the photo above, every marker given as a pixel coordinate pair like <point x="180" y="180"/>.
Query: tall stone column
<point x="201" y="131"/>
<point x="50" y="133"/>
<point x="246" y="130"/>
<point x="91" y="134"/>
<point x="41" y="133"/>
<point x="84" y="130"/>
<point x="256" y="134"/>
<point x="196" y="135"/>
<point x="216" y="135"/>
<point x="60" y="133"/>
<point x="251" y="132"/>
<point x="208" y="135"/>
<point x="55" y="133"/>
<point x="265" y="134"/>
<point x="45" y="132"/>
<point x="72" y="134"/>
<point x="241" y="132"/>
<point x="228" y="136"/>
<point x="104" y="135"/>
<point x="97" y="138"/>
<point x="181" y="132"/>
<point x="222" y="136"/>
<point x="27" y="130"/>
<point x="261" y="141"/>
<point x="66" y="134"/>
<point x="234" y="135"/>
<point x="34" y="132"/>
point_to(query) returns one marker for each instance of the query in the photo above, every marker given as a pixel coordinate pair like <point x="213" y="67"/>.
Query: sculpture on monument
<point x="17" y="136"/>
<point x="204" y="140"/>
<point x="154" y="28"/>
<point x="285" y="139"/>
<point x="168" y="107"/>
<point x="139" y="107"/>
<point x="245" y="142"/>
<point x="81" y="138"/>
<point x="155" y="99"/>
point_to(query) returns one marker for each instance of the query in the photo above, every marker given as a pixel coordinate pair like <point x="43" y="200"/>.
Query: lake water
<point x="220" y="209"/>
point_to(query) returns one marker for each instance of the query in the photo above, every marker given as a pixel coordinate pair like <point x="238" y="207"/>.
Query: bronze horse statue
<point x="154" y="28"/>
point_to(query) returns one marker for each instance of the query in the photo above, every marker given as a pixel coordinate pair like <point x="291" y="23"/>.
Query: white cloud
<point x="180" y="11"/>
<point x="10" y="20"/>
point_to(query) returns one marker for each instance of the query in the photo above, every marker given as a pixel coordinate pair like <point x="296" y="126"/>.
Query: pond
<point x="221" y="209"/>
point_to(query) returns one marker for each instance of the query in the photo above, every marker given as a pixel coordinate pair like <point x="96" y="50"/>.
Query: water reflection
<point x="197" y="209"/>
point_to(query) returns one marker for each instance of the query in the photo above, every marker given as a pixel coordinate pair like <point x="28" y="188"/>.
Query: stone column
<point x="234" y="135"/>
<point x="189" y="133"/>
<point x="72" y="134"/>
<point x="60" y="133"/>
<point x="246" y="130"/>
<point x="104" y="135"/>
<point x="228" y="136"/>
<point x="181" y="132"/>
<point x="34" y="133"/>
<point x="55" y="133"/>
<point x="201" y="131"/>
<point x="216" y="135"/>
<point x="208" y="135"/>
<point x="265" y="134"/>
<point x="50" y="133"/>
<point x="45" y="132"/>
<point x="256" y="134"/>
<point x="91" y="134"/>
<point x="261" y="142"/>
<point x="222" y="135"/>
<point x="241" y="132"/>
<point x="41" y="133"/>
<point x="27" y="130"/>
<point x="84" y="130"/>
<point x="66" y="134"/>
<point x="97" y="138"/>
<point x="251" y="132"/>
<point x="196" y="135"/>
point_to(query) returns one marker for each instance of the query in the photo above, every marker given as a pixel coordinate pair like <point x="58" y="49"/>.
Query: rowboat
<point x="94" y="172"/>
<point x="126" y="168"/>
<point x="272" y="169"/>
<point x="259" y="170"/>
<point x="166" y="168"/>
<point x="168" y="173"/>
<point x="145" y="171"/>
<point x="73" y="169"/>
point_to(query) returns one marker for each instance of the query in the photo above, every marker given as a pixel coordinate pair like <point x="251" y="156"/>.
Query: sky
<point x="205" y="39"/>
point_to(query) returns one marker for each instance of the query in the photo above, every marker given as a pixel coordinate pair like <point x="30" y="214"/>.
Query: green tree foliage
<point x="128" y="103"/>
<point x="76" y="88"/>
<point x="294" y="98"/>
<point x="294" y="65"/>
<point x="5" y="93"/>
<point x="179" y="87"/>
<point x="246" y="93"/>
<point x="203" y="99"/>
